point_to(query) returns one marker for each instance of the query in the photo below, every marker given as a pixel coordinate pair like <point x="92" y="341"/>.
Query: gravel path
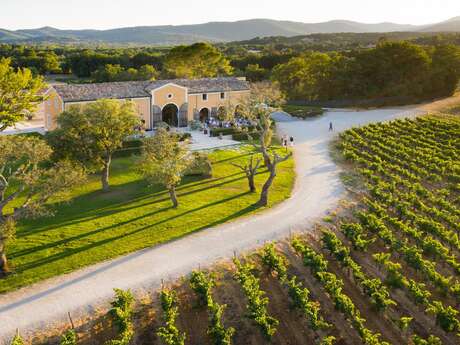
<point x="317" y="190"/>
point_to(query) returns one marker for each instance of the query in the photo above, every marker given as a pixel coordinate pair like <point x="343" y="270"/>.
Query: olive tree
<point x="19" y="93"/>
<point x="258" y="107"/>
<point x="250" y="169"/>
<point x="28" y="180"/>
<point x="91" y="134"/>
<point x="164" y="161"/>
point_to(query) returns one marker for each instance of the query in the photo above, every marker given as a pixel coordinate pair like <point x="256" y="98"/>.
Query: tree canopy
<point x="398" y="70"/>
<point x="99" y="128"/>
<point x="19" y="93"/>
<point x="164" y="161"/>
<point x="28" y="180"/>
<point x="110" y="72"/>
<point x="199" y="60"/>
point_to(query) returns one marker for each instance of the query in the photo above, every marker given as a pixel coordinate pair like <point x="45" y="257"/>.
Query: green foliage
<point x="19" y="93"/>
<point x="378" y="293"/>
<point x="257" y="302"/>
<point x="69" y="338"/>
<point x="404" y="322"/>
<point x="446" y="317"/>
<point x="303" y="112"/>
<point x="17" y="340"/>
<point x="334" y="287"/>
<point x="110" y="73"/>
<point x="99" y="128"/>
<point x="412" y="220"/>
<point x="431" y="340"/>
<point x="401" y="71"/>
<point x="199" y="60"/>
<point x="275" y="262"/>
<point x="25" y="171"/>
<point x="203" y="284"/>
<point x="164" y="161"/>
<point x="122" y="315"/>
<point x="329" y="340"/>
<point x="169" y="333"/>
<point x="200" y="165"/>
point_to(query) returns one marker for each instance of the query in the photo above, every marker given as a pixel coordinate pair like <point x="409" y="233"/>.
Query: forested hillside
<point x="341" y="67"/>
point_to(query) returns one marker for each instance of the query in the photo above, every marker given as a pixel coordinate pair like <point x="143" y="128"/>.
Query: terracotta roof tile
<point x="133" y="89"/>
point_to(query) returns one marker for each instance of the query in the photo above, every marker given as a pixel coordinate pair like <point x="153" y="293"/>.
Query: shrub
<point x="69" y="338"/>
<point x="201" y="166"/>
<point x="195" y="125"/>
<point x="215" y="132"/>
<point x="246" y="136"/>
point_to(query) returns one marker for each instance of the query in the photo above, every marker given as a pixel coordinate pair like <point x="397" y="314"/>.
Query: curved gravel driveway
<point x="317" y="190"/>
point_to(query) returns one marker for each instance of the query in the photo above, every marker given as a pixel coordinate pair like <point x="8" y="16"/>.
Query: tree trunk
<point x="172" y="195"/>
<point x="252" y="185"/>
<point x="3" y="260"/>
<point x="105" y="173"/>
<point x="263" y="201"/>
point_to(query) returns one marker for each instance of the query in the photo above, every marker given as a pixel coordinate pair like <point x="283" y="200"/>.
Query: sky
<point x="104" y="14"/>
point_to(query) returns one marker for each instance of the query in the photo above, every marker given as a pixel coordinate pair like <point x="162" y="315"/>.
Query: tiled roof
<point x="89" y="92"/>
<point x="133" y="89"/>
<point x="205" y="84"/>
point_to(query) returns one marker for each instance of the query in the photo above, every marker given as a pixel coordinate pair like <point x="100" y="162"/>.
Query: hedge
<point x="242" y="136"/>
<point x="215" y="132"/>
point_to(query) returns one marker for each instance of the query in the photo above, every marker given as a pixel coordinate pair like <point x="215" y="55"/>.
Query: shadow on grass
<point x="234" y="158"/>
<point x="87" y="201"/>
<point x="73" y="251"/>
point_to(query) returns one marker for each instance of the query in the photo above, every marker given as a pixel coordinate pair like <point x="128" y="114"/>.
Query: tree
<point x="28" y="180"/>
<point x="99" y="128"/>
<point x="259" y="106"/>
<point x="445" y="70"/>
<point x="164" y="161"/>
<point x="250" y="169"/>
<point x="301" y="77"/>
<point x="199" y="60"/>
<point x="226" y="113"/>
<point x="108" y="73"/>
<point x="255" y="73"/>
<point x="19" y="93"/>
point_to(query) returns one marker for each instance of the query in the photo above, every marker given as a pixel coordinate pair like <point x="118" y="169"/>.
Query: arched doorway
<point x="169" y="114"/>
<point x="204" y="115"/>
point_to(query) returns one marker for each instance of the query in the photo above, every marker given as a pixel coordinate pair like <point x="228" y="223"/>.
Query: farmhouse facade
<point x="176" y="102"/>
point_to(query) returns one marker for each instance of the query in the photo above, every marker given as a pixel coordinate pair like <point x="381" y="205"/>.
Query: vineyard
<point x="385" y="269"/>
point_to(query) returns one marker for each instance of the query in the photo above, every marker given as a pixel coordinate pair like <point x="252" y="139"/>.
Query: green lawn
<point x="97" y="226"/>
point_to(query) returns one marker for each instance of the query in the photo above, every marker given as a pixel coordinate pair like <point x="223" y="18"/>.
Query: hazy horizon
<point x="107" y="14"/>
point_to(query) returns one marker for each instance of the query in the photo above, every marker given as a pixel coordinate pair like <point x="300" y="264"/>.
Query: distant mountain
<point x="451" y="25"/>
<point x="212" y="32"/>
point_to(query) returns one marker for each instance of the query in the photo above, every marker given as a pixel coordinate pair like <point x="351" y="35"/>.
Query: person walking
<point x="284" y="140"/>
<point x="330" y="127"/>
<point x="291" y="141"/>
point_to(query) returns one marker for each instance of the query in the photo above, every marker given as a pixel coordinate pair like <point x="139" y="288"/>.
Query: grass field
<point x="97" y="226"/>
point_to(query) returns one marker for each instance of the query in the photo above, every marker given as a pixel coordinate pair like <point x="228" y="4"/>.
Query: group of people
<point x="237" y="122"/>
<point x="287" y="141"/>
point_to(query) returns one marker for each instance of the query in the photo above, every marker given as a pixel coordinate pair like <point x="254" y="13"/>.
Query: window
<point x="205" y="96"/>
<point x="222" y="95"/>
